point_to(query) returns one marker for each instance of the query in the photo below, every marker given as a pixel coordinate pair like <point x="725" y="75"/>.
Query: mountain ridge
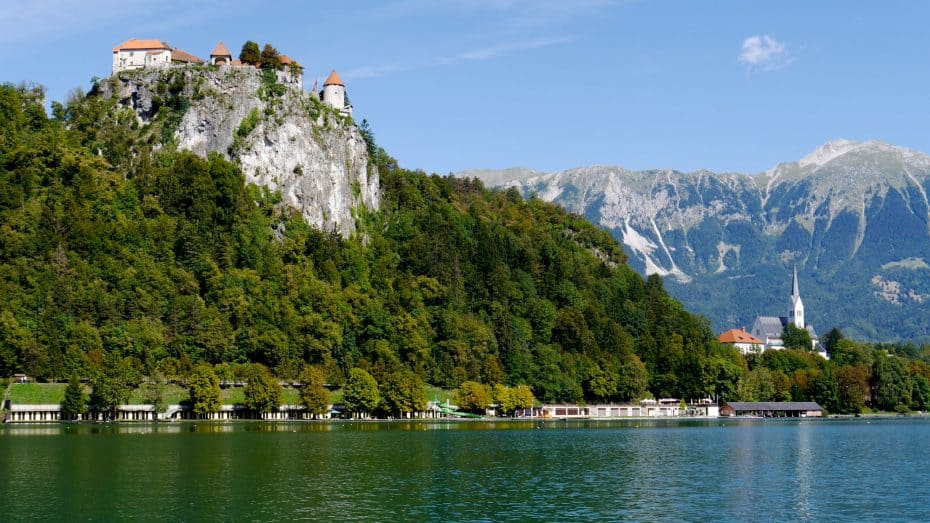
<point x="853" y="212"/>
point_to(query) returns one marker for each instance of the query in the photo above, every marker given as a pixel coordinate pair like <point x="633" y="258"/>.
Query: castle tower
<point x="796" y="312"/>
<point x="334" y="93"/>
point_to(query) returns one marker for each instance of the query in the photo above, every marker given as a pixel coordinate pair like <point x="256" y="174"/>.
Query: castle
<point x="138" y="54"/>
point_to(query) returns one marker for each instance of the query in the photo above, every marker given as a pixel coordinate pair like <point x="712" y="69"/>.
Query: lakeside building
<point x="662" y="408"/>
<point x="742" y="340"/>
<point x="772" y="409"/>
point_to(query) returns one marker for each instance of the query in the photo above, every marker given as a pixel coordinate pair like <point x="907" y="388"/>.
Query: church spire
<point x="796" y="312"/>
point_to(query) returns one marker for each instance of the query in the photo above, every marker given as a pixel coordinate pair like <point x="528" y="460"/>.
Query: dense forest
<point x="118" y="251"/>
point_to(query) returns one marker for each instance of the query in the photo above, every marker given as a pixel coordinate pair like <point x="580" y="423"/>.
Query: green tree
<point x="853" y="387"/>
<point x="75" y="402"/>
<point x="522" y="397"/>
<point x="890" y="382"/>
<point x="504" y="398"/>
<point x="313" y="393"/>
<point x="112" y="386"/>
<point x="473" y="397"/>
<point x="270" y="57"/>
<point x="262" y="391"/>
<point x="402" y="393"/>
<point x="250" y="53"/>
<point x="204" y="390"/>
<point x="796" y="338"/>
<point x="360" y="394"/>
<point x="831" y="340"/>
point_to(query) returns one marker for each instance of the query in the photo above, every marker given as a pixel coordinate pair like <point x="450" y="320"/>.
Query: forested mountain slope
<point x="118" y="247"/>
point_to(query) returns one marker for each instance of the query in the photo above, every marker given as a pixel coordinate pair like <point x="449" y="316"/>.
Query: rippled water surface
<point x="631" y="470"/>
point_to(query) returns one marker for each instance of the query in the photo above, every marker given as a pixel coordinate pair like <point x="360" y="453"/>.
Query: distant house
<point x="135" y="54"/>
<point x="772" y="409"/>
<point x="742" y="340"/>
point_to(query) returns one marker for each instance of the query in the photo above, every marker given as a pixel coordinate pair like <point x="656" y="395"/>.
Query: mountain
<point x="853" y="216"/>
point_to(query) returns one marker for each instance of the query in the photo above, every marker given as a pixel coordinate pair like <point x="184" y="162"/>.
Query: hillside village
<point x="152" y="53"/>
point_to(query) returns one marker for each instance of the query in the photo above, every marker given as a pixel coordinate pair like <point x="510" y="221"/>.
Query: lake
<point x="639" y="470"/>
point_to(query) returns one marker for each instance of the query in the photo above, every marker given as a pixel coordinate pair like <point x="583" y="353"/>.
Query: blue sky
<point x="452" y="85"/>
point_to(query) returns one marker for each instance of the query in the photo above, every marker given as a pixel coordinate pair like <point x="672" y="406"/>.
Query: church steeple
<point x="796" y="312"/>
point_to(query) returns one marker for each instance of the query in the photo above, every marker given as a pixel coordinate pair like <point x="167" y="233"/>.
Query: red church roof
<point x="739" y="336"/>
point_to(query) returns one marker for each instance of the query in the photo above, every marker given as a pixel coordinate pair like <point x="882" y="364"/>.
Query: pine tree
<point x="75" y="402"/>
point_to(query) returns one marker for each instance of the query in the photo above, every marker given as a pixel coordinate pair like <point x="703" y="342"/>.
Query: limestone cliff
<point x="283" y="137"/>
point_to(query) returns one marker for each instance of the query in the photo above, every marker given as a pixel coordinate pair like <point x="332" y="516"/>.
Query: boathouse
<point x="772" y="409"/>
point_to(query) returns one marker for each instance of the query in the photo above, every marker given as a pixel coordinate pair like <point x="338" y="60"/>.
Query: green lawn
<point x="33" y="393"/>
<point x="235" y="395"/>
<point x="173" y="394"/>
<point x="438" y="394"/>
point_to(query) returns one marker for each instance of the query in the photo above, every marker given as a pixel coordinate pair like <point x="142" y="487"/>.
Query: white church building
<point x="768" y="329"/>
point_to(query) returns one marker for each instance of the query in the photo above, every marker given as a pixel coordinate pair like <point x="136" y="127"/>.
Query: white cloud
<point x="490" y="52"/>
<point x="764" y="52"/>
<point x="483" y="53"/>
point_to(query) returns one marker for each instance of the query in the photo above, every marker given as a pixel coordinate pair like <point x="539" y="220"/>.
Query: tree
<point x="361" y="394"/>
<point x="262" y="391"/>
<point x="853" y="387"/>
<point x="891" y="382"/>
<point x="270" y="58"/>
<point x="250" y="53"/>
<point x="831" y="340"/>
<point x="473" y="397"/>
<point x="504" y="398"/>
<point x="204" y="390"/>
<point x="402" y="392"/>
<point x="112" y="386"/>
<point x="313" y="393"/>
<point x="75" y="402"/>
<point x="796" y="338"/>
<point x="522" y="397"/>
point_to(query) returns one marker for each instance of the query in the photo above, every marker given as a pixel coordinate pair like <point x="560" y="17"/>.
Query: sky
<point x="545" y="84"/>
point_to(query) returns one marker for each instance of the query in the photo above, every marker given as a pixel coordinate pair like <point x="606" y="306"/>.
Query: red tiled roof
<point x="739" y="336"/>
<point x="136" y="45"/>
<point x="285" y="59"/>
<point x="333" y="79"/>
<point x="220" y="50"/>
<point x="178" y="55"/>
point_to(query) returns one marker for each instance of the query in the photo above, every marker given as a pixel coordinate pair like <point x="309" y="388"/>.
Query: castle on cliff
<point x="139" y="54"/>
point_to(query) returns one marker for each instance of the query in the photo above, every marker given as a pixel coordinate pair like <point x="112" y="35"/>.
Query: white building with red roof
<point x="742" y="340"/>
<point x="135" y="54"/>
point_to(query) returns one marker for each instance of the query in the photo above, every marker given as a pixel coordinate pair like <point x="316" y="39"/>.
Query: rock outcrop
<point x="283" y="138"/>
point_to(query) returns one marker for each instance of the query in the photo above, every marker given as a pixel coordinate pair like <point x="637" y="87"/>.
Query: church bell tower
<point x="796" y="312"/>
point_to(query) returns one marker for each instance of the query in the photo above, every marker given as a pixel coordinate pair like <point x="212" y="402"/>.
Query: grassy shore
<point x="49" y="393"/>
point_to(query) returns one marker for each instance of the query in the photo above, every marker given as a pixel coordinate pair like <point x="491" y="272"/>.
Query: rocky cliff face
<point x="854" y="217"/>
<point x="283" y="138"/>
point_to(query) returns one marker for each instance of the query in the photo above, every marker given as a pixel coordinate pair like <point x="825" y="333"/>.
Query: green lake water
<point x="732" y="470"/>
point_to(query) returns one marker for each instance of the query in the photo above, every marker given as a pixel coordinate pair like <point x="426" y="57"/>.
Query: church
<point x="768" y="329"/>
